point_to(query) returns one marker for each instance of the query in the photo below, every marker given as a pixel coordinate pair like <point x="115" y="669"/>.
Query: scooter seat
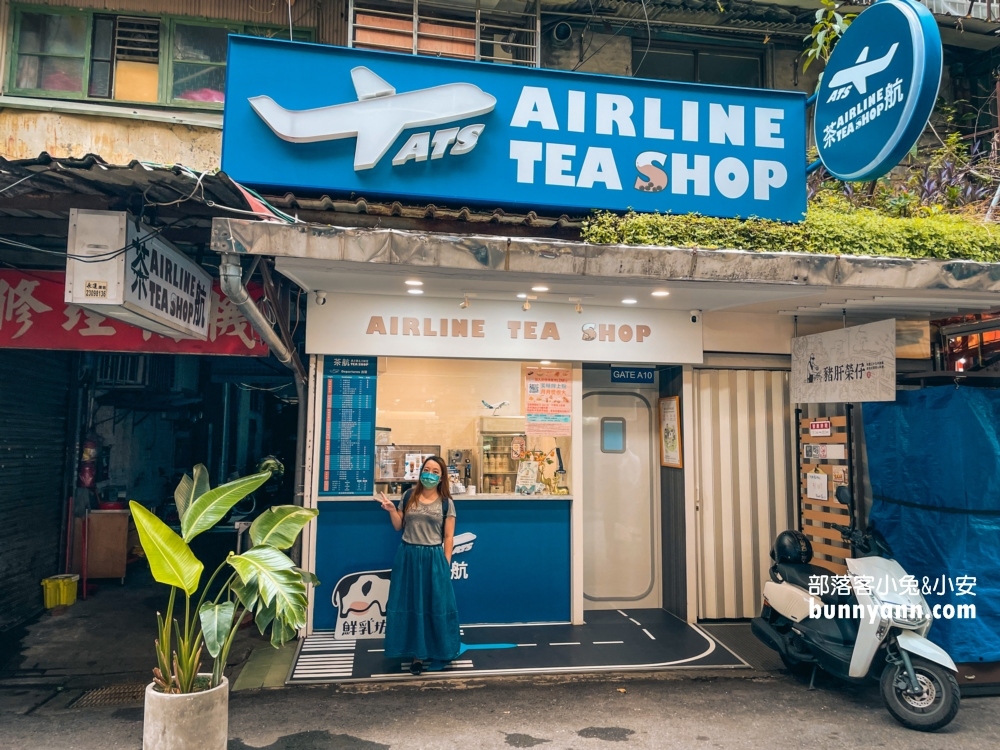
<point x="806" y="576"/>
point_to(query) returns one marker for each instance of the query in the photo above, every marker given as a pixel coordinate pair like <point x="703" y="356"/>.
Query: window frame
<point x="13" y="58"/>
<point x="698" y="50"/>
<point x="165" y="83"/>
<point x="624" y="423"/>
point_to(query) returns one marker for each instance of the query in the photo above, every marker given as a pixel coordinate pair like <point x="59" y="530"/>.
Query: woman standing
<point x="421" y="616"/>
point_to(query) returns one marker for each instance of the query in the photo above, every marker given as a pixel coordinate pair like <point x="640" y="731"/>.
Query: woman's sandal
<point x="416" y="667"/>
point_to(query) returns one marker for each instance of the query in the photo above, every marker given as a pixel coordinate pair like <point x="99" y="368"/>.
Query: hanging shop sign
<point x="427" y="129"/>
<point x="878" y="90"/>
<point x="34" y="315"/>
<point x="123" y="269"/>
<point x="347" y="427"/>
<point x="402" y="326"/>
<point x="847" y="365"/>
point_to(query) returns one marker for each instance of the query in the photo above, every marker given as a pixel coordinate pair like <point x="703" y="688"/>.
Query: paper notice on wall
<point x="549" y="402"/>
<point x="824" y="452"/>
<point x="817" y="486"/>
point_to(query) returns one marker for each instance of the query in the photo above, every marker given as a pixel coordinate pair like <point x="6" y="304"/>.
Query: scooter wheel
<point x="795" y="667"/>
<point x="934" y="708"/>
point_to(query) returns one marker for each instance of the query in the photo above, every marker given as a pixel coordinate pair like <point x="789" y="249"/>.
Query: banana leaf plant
<point x="262" y="581"/>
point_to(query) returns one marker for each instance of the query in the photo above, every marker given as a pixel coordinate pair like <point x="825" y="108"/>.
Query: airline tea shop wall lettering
<point x="504" y="135"/>
<point x="527" y="329"/>
<point x="399" y="326"/>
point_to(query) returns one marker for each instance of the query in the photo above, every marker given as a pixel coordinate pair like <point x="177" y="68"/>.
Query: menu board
<point x="548" y="402"/>
<point x="347" y="448"/>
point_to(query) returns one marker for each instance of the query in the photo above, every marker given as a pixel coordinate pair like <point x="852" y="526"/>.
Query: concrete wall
<point x="27" y="133"/>
<point x="590" y="53"/>
<point x="787" y="73"/>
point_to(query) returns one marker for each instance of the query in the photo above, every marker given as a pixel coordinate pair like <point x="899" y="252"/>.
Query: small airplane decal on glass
<point x="378" y="117"/>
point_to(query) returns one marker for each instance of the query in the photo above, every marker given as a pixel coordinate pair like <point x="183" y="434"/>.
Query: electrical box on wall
<point x="123" y="269"/>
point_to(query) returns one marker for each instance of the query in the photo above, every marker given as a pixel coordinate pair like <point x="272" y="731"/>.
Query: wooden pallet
<point x="815" y="516"/>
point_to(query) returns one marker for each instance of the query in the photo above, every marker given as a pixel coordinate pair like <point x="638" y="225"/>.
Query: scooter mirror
<point x="843" y="495"/>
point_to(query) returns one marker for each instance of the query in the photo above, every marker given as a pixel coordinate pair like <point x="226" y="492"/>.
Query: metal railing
<point x="464" y="30"/>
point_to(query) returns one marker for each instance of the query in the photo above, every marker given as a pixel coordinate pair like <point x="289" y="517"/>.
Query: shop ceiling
<point x="340" y="260"/>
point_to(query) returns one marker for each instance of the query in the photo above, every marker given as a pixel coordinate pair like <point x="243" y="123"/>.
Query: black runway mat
<point x="610" y="641"/>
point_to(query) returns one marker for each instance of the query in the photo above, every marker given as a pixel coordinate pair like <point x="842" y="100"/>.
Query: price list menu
<point x="347" y="451"/>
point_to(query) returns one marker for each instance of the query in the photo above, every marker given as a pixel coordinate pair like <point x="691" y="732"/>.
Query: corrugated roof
<point x="325" y="209"/>
<point x="160" y="185"/>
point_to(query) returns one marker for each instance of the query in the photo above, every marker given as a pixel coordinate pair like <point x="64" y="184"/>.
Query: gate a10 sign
<point x="341" y="120"/>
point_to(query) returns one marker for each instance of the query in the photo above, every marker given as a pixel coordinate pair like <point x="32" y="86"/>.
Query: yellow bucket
<point x="60" y="591"/>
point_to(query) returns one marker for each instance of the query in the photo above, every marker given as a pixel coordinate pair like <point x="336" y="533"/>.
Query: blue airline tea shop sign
<point x="342" y="120"/>
<point x="878" y="90"/>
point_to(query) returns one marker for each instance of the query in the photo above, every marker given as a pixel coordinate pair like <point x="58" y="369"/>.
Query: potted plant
<point x="187" y="708"/>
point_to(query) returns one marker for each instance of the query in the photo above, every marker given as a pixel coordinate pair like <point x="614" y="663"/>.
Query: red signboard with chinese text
<point x="34" y="316"/>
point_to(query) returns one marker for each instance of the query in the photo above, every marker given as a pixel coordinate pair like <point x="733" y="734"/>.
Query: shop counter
<point x="511" y="561"/>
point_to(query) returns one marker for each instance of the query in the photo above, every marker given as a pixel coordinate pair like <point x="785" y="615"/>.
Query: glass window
<point x="84" y="54"/>
<point x="612" y="435"/>
<point x="663" y="65"/>
<point x="729" y="70"/>
<point x="51" y="52"/>
<point x="698" y="66"/>
<point x="199" y="70"/>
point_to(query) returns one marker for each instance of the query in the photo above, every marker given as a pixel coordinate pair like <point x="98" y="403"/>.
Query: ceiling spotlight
<point x="465" y="302"/>
<point x="539" y="289"/>
<point x="628" y="301"/>
<point x="413" y="282"/>
<point x="661" y="293"/>
<point x="526" y="306"/>
<point x="415" y="291"/>
<point x="522" y="295"/>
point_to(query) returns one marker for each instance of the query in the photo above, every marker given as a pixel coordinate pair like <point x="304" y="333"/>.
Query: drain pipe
<point x="231" y="281"/>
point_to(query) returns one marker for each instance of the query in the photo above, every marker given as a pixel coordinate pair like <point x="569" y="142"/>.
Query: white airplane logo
<point x="858" y="74"/>
<point x="377" y="118"/>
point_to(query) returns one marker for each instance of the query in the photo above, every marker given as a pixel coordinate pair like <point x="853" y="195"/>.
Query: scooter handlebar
<point x="845" y="530"/>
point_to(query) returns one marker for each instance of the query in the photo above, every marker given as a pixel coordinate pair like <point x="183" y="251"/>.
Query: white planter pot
<point x="194" y="721"/>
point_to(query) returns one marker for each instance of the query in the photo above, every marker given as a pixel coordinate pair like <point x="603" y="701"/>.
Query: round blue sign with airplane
<point x="878" y="90"/>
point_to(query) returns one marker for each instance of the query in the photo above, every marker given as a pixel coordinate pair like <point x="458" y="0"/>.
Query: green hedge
<point x="829" y="230"/>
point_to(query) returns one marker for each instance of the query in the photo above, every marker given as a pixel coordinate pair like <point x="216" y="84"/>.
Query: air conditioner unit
<point x="123" y="269"/>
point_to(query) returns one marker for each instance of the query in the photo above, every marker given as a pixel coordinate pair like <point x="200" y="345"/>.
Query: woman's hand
<point x="387" y="504"/>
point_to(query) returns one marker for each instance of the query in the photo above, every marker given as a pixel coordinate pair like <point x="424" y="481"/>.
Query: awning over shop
<point x="374" y="261"/>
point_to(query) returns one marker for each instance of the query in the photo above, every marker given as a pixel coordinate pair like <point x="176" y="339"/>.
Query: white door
<point x="743" y="474"/>
<point x="620" y="506"/>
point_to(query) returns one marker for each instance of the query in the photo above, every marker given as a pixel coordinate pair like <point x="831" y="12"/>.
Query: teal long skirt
<point x="421" y="616"/>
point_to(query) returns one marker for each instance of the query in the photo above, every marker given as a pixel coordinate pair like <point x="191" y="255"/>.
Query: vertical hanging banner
<point x="548" y="402"/>
<point x="347" y="441"/>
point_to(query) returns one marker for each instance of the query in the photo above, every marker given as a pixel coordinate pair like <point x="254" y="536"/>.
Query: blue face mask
<point x="428" y="480"/>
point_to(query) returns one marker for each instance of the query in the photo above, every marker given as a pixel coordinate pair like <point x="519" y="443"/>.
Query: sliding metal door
<point x="743" y="482"/>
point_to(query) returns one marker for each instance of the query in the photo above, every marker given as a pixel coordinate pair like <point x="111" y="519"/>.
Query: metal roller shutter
<point x="34" y="393"/>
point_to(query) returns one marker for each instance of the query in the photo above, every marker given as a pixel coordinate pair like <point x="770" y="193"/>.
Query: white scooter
<point x="870" y="635"/>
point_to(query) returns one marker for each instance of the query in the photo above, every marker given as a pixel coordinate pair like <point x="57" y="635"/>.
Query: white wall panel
<point x="743" y="466"/>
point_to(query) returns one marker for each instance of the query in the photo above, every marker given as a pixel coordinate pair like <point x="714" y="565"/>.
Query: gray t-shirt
<point x="423" y="524"/>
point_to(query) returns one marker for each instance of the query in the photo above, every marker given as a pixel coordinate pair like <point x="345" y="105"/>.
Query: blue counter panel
<point x="511" y="563"/>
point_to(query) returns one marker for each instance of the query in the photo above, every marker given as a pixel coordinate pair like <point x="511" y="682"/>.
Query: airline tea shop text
<point x="554" y="163"/>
